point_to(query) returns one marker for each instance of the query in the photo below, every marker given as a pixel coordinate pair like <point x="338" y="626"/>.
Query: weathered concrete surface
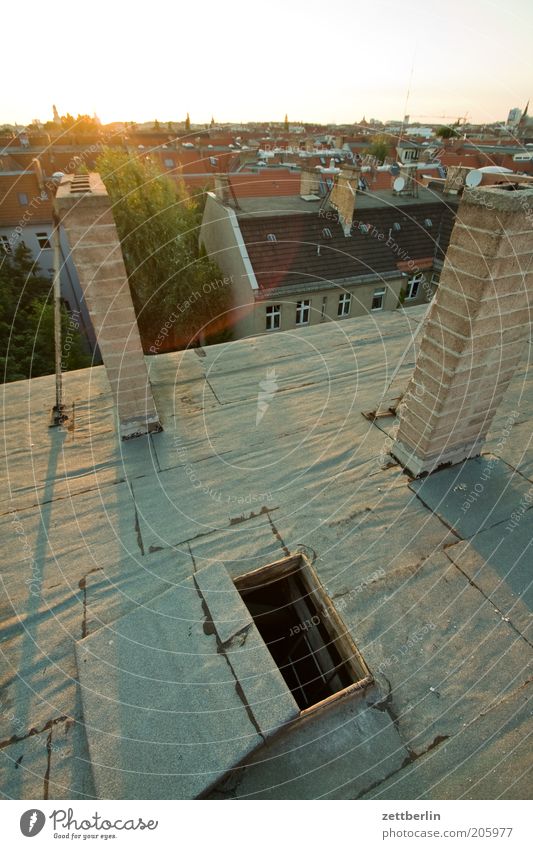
<point x="441" y="648"/>
<point x="168" y="706"/>
<point x="477" y="763"/>
<point x="486" y="483"/>
<point x="336" y="754"/>
<point x="92" y="530"/>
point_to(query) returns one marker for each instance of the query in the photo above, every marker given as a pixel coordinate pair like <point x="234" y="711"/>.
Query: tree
<point x="171" y="279"/>
<point x="27" y="321"/>
<point x="379" y="147"/>
<point x="156" y="125"/>
<point x="447" y="132"/>
<point x="187" y="122"/>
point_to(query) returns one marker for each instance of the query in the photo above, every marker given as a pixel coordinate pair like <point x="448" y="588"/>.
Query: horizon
<point x="427" y="62"/>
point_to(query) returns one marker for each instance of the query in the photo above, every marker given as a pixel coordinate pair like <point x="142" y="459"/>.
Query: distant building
<point x="26" y="215"/>
<point x="296" y="259"/>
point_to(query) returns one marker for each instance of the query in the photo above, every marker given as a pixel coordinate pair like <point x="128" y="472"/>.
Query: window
<point x="5" y="244"/>
<point x="345" y="301"/>
<point x="303" y="309"/>
<point x="428" y="223"/>
<point x="378" y="299"/>
<point x="305" y="635"/>
<point x="169" y="163"/>
<point x="23" y="199"/>
<point x="396" y="226"/>
<point x="271" y="237"/>
<point x="273" y="317"/>
<point x="323" y="308"/>
<point x="413" y="286"/>
<point x="364" y="228"/>
<point x="326" y="233"/>
<point x="43" y="241"/>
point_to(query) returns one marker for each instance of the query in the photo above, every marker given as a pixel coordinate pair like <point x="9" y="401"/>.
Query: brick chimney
<point x="474" y="335"/>
<point x="342" y="197"/>
<point x="309" y="181"/>
<point x="83" y="208"/>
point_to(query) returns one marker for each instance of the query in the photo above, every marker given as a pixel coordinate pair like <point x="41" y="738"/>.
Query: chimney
<point x="222" y="189"/>
<point x="83" y="208"/>
<point x="309" y="181"/>
<point x="455" y="179"/>
<point x="475" y="332"/>
<point x="342" y="196"/>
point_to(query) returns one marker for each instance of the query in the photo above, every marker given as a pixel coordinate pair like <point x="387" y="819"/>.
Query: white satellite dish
<point x="399" y="184"/>
<point x="473" y="179"/>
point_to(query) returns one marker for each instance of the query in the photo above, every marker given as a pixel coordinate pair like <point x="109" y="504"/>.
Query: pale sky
<point x="244" y="61"/>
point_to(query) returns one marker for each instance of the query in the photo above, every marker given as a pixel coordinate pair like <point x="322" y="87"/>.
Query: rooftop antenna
<point x="58" y="411"/>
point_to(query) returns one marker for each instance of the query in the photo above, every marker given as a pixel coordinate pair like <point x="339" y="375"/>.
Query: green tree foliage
<point x="171" y="279"/>
<point x="27" y="321"/>
<point x="379" y="147"/>
<point x="447" y="132"/>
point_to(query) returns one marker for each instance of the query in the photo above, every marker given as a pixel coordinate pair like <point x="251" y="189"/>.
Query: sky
<point x="241" y="60"/>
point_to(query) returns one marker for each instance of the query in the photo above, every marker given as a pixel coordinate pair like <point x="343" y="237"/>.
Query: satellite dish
<point x="399" y="184"/>
<point x="57" y="176"/>
<point x="473" y="179"/>
<point x="394" y="169"/>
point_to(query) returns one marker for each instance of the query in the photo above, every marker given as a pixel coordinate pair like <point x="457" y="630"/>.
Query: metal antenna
<point x="58" y="411"/>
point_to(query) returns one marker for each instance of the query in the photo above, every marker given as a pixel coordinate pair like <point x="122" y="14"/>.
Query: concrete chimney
<point x="83" y="208"/>
<point x="343" y="194"/>
<point x="222" y="188"/>
<point x="475" y="333"/>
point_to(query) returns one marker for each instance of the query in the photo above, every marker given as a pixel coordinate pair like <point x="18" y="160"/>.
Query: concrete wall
<point x="362" y="294"/>
<point x="220" y="235"/>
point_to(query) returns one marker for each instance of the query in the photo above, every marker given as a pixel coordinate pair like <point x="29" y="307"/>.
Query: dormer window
<point x="271" y="237"/>
<point x="326" y="233"/>
<point x="396" y="226"/>
<point x="428" y="223"/>
<point x="364" y="228"/>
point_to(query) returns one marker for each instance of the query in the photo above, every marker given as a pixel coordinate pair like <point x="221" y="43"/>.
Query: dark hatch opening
<point x="302" y="634"/>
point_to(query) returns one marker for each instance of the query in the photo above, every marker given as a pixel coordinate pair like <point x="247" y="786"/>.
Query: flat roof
<point x="365" y="200"/>
<point x="433" y="594"/>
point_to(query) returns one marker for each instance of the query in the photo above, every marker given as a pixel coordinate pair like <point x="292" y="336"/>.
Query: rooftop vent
<point x="80" y="185"/>
<point x="396" y="226"/>
<point x="271" y="237"/>
<point x="428" y="223"/>
<point x="326" y="233"/>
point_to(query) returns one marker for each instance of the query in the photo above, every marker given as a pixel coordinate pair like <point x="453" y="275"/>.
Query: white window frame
<point x="303" y="312"/>
<point x="344" y="305"/>
<point x="413" y="285"/>
<point x="273" y="317"/>
<point x="43" y="240"/>
<point x="378" y="293"/>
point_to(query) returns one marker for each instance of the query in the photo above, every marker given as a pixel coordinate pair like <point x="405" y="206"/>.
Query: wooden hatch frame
<point x="330" y="619"/>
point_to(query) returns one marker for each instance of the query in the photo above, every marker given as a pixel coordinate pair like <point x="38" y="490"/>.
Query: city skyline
<point x="262" y="63"/>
